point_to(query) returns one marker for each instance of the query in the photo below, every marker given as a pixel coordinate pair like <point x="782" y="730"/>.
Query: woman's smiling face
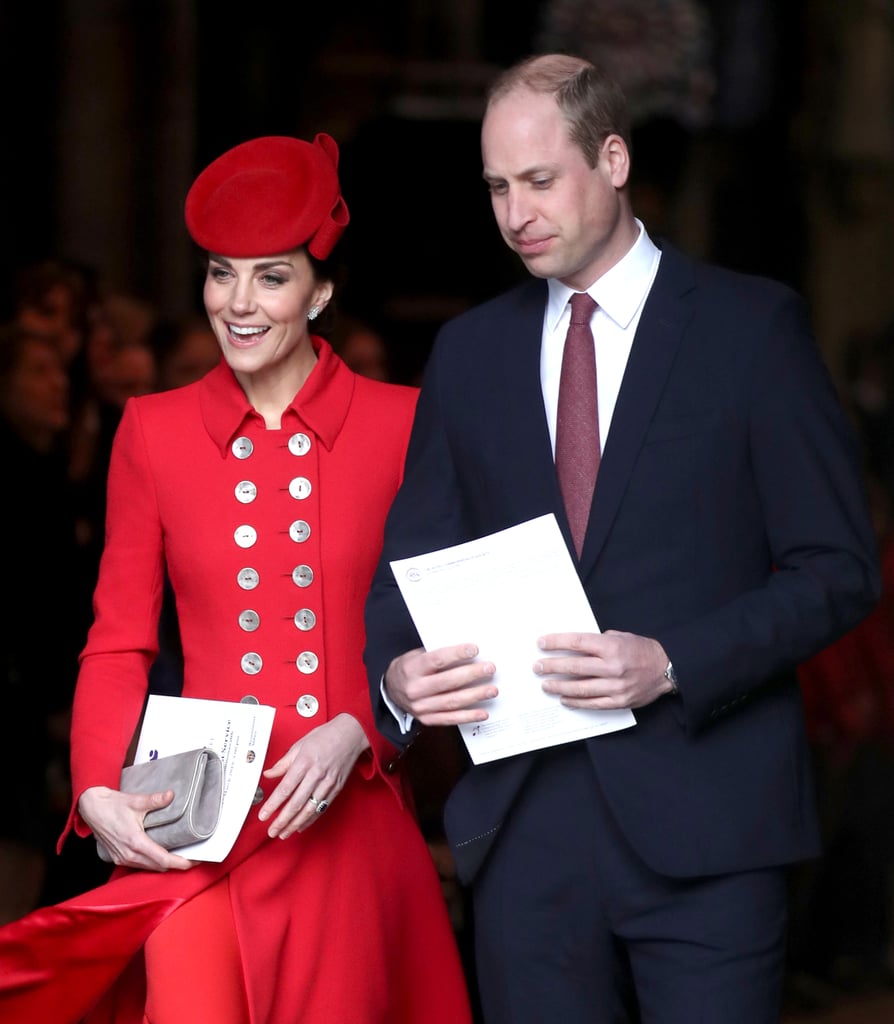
<point x="258" y="309"/>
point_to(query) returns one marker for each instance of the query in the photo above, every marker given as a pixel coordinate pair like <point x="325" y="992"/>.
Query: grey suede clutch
<point x="196" y="777"/>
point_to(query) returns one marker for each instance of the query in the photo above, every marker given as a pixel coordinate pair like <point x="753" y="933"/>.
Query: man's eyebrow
<point x="527" y="173"/>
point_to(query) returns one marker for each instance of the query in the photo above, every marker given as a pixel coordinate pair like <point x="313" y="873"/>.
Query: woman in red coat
<point x="262" y="491"/>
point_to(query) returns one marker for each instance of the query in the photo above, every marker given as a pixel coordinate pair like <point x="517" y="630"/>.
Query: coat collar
<point x="320" y="406"/>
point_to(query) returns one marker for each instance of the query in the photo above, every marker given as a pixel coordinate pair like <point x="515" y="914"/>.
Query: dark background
<point x="112" y="106"/>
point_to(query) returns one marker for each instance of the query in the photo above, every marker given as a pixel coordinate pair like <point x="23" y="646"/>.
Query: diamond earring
<point x="313" y="312"/>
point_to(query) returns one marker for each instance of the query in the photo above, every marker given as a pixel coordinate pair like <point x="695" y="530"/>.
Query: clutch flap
<point x="183" y="773"/>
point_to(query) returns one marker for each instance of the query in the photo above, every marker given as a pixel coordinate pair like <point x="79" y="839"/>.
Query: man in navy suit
<point x="728" y="539"/>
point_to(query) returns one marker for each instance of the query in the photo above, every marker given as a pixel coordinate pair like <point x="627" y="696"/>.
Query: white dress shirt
<point x="620" y="295"/>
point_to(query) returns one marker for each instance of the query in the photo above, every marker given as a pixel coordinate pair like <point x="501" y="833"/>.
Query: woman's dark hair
<point x="331" y="269"/>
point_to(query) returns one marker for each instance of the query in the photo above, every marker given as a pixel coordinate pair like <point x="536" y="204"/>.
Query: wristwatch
<point x="671" y="677"/>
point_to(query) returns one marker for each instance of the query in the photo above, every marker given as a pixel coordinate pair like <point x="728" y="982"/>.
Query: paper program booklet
<point x="501" y="592"/>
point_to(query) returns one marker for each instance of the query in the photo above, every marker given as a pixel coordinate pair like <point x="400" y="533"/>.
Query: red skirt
<point x="344" y="922"/>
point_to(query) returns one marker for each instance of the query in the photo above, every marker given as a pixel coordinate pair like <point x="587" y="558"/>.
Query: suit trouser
<point x="563" y="900"/>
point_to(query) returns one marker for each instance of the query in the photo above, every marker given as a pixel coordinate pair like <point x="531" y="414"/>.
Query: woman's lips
<point x="247" y="334"/>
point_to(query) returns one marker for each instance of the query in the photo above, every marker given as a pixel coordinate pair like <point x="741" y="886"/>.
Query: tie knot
<point x="582" y="308"/>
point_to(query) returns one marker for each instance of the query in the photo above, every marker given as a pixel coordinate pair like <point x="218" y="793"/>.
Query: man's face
<point x="564" y="218"/>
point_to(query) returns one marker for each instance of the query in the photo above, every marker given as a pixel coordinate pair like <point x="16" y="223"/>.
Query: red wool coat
<point x="346" y="921"/>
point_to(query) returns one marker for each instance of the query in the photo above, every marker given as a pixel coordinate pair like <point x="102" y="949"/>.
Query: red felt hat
<point x="267" y="196"/>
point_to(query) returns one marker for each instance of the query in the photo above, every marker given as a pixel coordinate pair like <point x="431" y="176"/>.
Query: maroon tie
<point x="577" y="421"/>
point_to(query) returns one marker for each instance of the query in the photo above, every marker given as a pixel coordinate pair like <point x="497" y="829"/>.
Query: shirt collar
<point x="621" y="289"/>
<point x="320" y="406"/>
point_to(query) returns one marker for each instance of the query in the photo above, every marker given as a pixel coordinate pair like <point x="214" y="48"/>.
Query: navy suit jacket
<point x="728" y="521"/>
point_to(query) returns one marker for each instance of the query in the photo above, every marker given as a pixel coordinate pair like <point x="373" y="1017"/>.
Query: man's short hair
<point x="591" y="101"/>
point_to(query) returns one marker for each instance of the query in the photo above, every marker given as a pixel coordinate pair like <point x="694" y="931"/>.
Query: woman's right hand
<point x="117" y="821"/>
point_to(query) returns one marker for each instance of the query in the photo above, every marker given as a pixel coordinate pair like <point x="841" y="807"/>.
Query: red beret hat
<point x="267" y="196"/>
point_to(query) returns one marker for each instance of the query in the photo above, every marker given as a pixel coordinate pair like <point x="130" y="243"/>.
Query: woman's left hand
<point x="312" y="775"/>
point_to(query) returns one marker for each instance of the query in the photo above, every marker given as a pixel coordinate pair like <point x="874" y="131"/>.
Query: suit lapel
<point x="524" y="416"/>
<point x="658" y="336"/>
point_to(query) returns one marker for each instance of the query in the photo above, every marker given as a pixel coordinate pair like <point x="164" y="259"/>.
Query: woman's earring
<point x="313" y="312"/>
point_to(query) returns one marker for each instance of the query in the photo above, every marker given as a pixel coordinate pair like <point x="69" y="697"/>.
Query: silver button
<point x="246" y="492"/>
<point x="251" y="663"/>
<point x="299" y="488"/>
<point x="248" y="578"/>
<point x="302" y="575"/>
<point x="245" y="536"/>
<point x="258" y="797"/>
<point x="307" y="705"/>
<point x="249" y="699"/>
<point x="299" y="531"/>
<point x="305" y="619"/>
<point x="307" y="662"/>
<point x="242" y="447"/>
<point x="299" y="444"/>
<point x="249" y="620"/>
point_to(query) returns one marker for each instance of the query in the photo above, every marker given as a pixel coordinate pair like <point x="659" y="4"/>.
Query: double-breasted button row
<point x="300" y="488"/>
<point x="307" y="706"/>
<point x="299" y="444"/>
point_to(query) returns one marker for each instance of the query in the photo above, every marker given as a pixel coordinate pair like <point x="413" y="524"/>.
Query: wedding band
<point x="320" y="805"/>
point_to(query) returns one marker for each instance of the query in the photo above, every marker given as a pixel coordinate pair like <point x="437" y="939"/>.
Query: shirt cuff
<point x="403" y="719"/>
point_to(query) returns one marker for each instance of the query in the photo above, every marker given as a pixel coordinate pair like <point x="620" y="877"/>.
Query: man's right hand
<point x="441" y="687"/>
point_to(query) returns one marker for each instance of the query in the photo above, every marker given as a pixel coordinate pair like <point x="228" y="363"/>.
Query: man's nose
<point x="519" y="210"/>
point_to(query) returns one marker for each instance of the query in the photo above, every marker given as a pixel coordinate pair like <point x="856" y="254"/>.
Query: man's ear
<point x="615" y="158"/>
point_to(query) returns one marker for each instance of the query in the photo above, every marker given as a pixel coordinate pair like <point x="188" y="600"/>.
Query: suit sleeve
<point x="805" y="470"/>
<point x="424" y="516"/>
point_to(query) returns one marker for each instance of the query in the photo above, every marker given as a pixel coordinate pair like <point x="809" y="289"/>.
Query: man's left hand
<point x="603" y="670"/>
